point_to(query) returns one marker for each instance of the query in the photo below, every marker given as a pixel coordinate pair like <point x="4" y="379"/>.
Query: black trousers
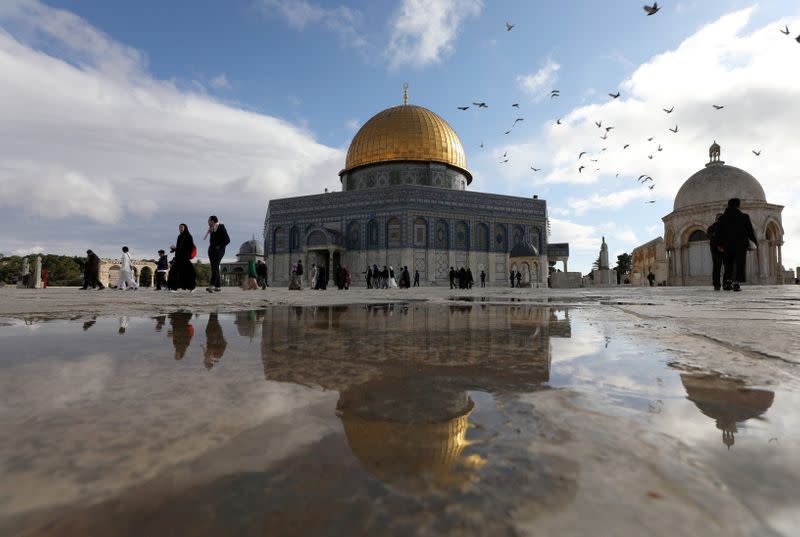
<point x="716" y="267"/>
<point x="215" y="256"/>
<point x="161" y="279"/>
<point x="91" y="279"/>
<point x="735" y="262"/>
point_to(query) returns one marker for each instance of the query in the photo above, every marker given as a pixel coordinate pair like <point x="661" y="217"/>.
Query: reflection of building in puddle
<point x="247" y="322"/>
<point x="410" y="433"/>
<point x="403" y="373"/>
<point x="727" y="401"/>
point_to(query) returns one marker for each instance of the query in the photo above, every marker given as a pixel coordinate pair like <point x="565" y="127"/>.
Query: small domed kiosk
<point x="684" y="252"/>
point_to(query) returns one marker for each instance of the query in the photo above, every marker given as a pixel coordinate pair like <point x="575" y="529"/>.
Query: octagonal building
<point x="404" y="202"/>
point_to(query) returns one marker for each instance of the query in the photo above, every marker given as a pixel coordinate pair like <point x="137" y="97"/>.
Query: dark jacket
<point x="184" y="246"/>
<point x="92" y="263"/>
<point x="713" y="235"/>
<point x="219" y="238"/>
<point x="736" y="230"/>
<point x="163" y="263"/>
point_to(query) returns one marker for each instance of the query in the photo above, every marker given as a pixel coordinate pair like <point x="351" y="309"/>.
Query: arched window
<point x="462" y="236"/>
<point x="500" y="239"/>
<point x="442" y="235"/>
<point x="294" y="239"/>
<point x="317" y="238"/>
<point x="279" y="240"/>
<point x="394" y="236"/>
<point x="373" y="238"/>
<point x="482" y="237"/>
<point x="354" y="236"/>
<point x="698" y="235"/>
<point x="420" y="233"/>
<point x="517" y="235"/>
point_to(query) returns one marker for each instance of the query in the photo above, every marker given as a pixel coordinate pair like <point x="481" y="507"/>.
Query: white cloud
<point x="301" y="14"/>
<point x="726" y="62"/>
<point x="581" y="238"/>
<point x="614" y="200"/>
<point x="92" y="137"/>
<point x="534" y="83"/>
<point x="353" y="124"/>
<point x="220" y="82"/>
<point x="424" y="31"/>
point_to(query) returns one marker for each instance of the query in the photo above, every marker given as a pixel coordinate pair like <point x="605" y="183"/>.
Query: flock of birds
<point x="644" y="179"/>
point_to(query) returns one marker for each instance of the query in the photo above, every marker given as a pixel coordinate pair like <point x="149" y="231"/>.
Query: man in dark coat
<point x="91" y="275"/>
<point x="161" y="270"/>
<point x="452" y="278"/>
<point x="462" y="278"/>
<point x="713" y="233"/>
<point x="736" y="234"/>
<point x="218" y="240"/>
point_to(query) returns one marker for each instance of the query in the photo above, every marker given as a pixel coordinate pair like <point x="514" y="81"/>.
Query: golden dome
<point x="406" y="132"/>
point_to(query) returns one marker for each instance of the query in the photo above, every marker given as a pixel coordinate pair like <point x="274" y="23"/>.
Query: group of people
<point x="730" y="237"/>
<point x="515" y="277"/>
<point x="386" y="278"/>
<point x="177" y="273"/>
<point x="462" y="278"/>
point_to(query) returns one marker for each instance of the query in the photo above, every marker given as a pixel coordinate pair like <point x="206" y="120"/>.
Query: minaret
<point x="714" y="153"/>
<point x="405" y="93"/>
<point x="604" y="255"/>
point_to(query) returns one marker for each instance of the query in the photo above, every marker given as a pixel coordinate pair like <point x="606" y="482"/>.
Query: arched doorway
<point x="146" y="277"/>
<point x="698" y="259"/>
<point x="113" y="275"/>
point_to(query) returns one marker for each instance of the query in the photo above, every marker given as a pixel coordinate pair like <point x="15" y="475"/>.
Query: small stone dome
<point x="717" y="183"/>
<point x="524" y="249"/>
<point x="252" y="247"/>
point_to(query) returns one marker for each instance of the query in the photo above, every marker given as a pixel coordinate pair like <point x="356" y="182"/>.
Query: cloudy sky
<point x="119" y="120"/>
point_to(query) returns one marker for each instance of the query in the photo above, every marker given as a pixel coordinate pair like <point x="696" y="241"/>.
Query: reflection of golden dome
<point x="406" y="132"/>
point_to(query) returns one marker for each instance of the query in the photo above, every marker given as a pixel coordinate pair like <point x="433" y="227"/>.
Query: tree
<point x="203" y="273"/>
<point x="623" y="265"/>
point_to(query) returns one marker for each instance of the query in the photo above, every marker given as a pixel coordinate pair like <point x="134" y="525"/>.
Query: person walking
<point x="368" y="273"/>
<point x="312" y="277"/>
<point x="91" y="273"/>
<point x="126" y="272"/>
<point x="416" y="278"/>
<point x="294" y="279"/>
<point x="651" y="278"/>
<point x="452" y="275"/>
<point x="483" y="278"/>
<point x="392" y="280"/>
<point x="519" y="279"/>
<point x="322" y="278"/>
<point x="182" y="274"/>
<point x="218" y="239"/>
<point x="261" y="270"/>
<point x="300" y="272"/>
<point x="470" y="279"/>
<point x="735" y="237"/>
<point x="405" y="277"/>
<point x="462" y="278"/>
<point x="512" y="277"/>
<point x="161" y="270"/>
<point x="713" y="233"/>
<point x="251" y="282"/>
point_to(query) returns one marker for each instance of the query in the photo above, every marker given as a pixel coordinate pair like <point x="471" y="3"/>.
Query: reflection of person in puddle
<point x="215" y="342"/>
<point x="123" y="324"/>
<point x="88" y="324"/>
<point x="181" y="332"/>
<point x="160" y="320"/>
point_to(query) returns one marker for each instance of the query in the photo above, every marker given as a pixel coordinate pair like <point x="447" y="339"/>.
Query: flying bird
<point x="509" y="26"/>
<point x="518" y="120"/>
<point x="660" y="148"/>
<point x="503" y="161"/>
<point x="604" y="137"/>
<point x="651" y="10"/>
<point x="535" y="169"/>
<point x="609" y="128"/>
<point x="757" y="153"/>
<point x="786" y="31"/>
<point x="651" y="201"/>
<point x="668" y="111"/>
<point x="651" y="187"/>
<point x="643" y="178"/>
<point x="515" y="105"/>
<point x="650" y="157"/>
<point x="797" y="38"/>
<point x="650" y="139"/>
<point x="675" y="130"/>
<point x="481" y="105"/>
<point x="481" y="144"/>
<point x="718" y="107"/>
<point x="508" y="132"/>
<point x="604" y="149"/>
<point x="558" y="121"/>
<point x="626" y="146"/>
<point x="463" y="107"/>
<point x="614" y="95"/>
<point x="599" y="123"/>
<point x="616" y="175"/>
<point x="580" y="170"/>
<point x="593" y="160"/>
<point x="504" y="154"/>
<point x="555" y="93"/>
<point x="582" y="153"/>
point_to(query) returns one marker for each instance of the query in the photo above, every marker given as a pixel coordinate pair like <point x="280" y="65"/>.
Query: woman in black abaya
<point x="182" y="274"/>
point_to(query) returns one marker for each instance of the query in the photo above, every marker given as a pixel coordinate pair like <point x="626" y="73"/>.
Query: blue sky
<point x="147" y="113"/>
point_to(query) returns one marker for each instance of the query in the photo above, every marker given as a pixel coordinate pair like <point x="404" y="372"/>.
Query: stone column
<point x="761" y="251"/>
<point x="37" y="273"/>
<point x="565" y="265"/>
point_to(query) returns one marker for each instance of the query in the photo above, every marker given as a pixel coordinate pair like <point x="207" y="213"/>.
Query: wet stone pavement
<point x="405" y="418"/>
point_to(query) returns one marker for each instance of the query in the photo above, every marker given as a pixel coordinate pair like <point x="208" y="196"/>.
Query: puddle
<point x="400" y="419"/>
